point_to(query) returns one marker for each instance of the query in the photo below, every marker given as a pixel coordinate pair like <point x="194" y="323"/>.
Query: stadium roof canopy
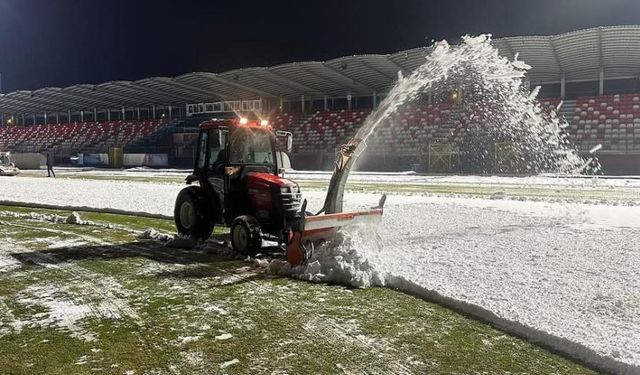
<point x="575" y="56"/>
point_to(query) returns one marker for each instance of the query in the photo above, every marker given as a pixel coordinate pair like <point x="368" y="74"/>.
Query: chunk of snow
<point x="595" y="149"/>
<point x="229" y="363"/>
<point x="152" y="234"/>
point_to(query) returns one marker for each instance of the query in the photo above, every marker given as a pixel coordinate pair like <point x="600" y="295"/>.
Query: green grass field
<point x="97" y="299"/>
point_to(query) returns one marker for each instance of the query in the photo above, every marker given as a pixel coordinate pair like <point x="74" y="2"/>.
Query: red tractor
<point x="239" y="169"/>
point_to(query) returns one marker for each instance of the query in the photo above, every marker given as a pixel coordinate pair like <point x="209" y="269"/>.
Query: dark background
<point x="64" y="42"/>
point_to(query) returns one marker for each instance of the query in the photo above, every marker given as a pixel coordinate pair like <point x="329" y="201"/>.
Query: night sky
<point x="64" y="42"/>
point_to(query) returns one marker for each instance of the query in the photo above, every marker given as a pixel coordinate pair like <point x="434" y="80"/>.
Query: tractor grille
<point x="291" y="200"/>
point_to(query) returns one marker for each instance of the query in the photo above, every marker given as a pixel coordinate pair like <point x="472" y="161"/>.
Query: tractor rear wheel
<point x="246" y="237"/>
<point x="192" y="213"/>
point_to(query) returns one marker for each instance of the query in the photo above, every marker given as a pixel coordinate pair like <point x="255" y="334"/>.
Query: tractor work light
<point x="264" y="123"/>
<point x="244" y="121"/>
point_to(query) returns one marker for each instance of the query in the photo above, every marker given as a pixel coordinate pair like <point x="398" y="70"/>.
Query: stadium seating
<point x="611" y="120"/>
<point x="282" y="120"/>
<point x="325" y="130"/>
<point x="550" y="104"/>
<point x="66" y="139"/>
<point x="409" y="131"/>
<point x="413" y="127"/>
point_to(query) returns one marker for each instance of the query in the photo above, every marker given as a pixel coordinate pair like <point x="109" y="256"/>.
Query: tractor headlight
<point x="284" y="190"/>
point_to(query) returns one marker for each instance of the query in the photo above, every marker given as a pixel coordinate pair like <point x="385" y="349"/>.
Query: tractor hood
<point x="269" y="179"/>
<point x="273" y="195"/>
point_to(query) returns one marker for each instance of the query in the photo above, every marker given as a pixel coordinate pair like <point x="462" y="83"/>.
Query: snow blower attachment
<point x="239" y="170"/>
<point x="307" y="232"/>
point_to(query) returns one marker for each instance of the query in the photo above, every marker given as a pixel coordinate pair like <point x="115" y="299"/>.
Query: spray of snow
<point x="495" y="96"/>
<point x="494" y="90"/>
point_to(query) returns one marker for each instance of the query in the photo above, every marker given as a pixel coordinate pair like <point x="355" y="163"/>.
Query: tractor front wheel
<point x="192" y="213"/>
<point x="246" y="237"/>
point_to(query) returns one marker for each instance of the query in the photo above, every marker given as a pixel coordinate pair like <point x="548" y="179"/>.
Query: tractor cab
<point x="238" y="181"/>
<point x="239" y="168"/>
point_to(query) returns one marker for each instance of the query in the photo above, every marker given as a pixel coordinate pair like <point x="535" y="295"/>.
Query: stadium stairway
<point x="148" y="141"/>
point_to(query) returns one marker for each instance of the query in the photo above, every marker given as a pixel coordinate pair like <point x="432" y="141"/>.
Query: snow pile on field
<point x="340" y="261"/>
<point x="72" y="218"/>
<point x="152" y="234"/>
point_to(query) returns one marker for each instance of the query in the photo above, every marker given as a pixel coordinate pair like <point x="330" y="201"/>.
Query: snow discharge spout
<point x="493" y="97"/>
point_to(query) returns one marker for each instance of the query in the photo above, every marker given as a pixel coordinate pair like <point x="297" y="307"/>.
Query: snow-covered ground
<point x="566" y="270"/>
<point x="386" y="178"/>
<point x="415" y="178"/>
<point x="156" y="198"/>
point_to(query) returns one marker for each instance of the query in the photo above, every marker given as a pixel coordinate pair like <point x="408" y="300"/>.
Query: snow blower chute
<point x="239" y="170"/>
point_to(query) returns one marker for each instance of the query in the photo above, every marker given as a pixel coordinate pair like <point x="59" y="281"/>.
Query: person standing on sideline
<point x="50" y="171"/>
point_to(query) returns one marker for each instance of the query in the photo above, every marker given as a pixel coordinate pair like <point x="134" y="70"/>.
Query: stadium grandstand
<point x="591" y="75"/>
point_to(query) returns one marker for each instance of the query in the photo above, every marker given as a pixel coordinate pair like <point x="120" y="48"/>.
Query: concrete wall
<point x="28" y="160"/>
<point x="148" y="160"/>
<point x="620" y="164"/>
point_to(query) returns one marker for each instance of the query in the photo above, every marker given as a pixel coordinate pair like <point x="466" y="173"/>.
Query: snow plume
<point x="345" y="260"/>
<point x="496" y="122"/>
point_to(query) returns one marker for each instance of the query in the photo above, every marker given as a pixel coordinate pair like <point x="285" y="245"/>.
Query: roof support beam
<point x="601" y="54"/>
<point x="510" y="48"/>
<point x="31" y="104"/>
<point x="68" y="99"/>
<point x="601" y="62"/>
<point x="554" y="51"/>
<point x="279" y="79"/>
<point x="354" y="84"/>
<point x="158" y="97"/>
<point x="118" y="99"/>
<point x="194" y="91"/>
<point x="405" y="70"/>
<point x="216" y="78"/>
<point x="398" y="67"/>
<point x="351" y="83"/>
<point x="368" y="66"/>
